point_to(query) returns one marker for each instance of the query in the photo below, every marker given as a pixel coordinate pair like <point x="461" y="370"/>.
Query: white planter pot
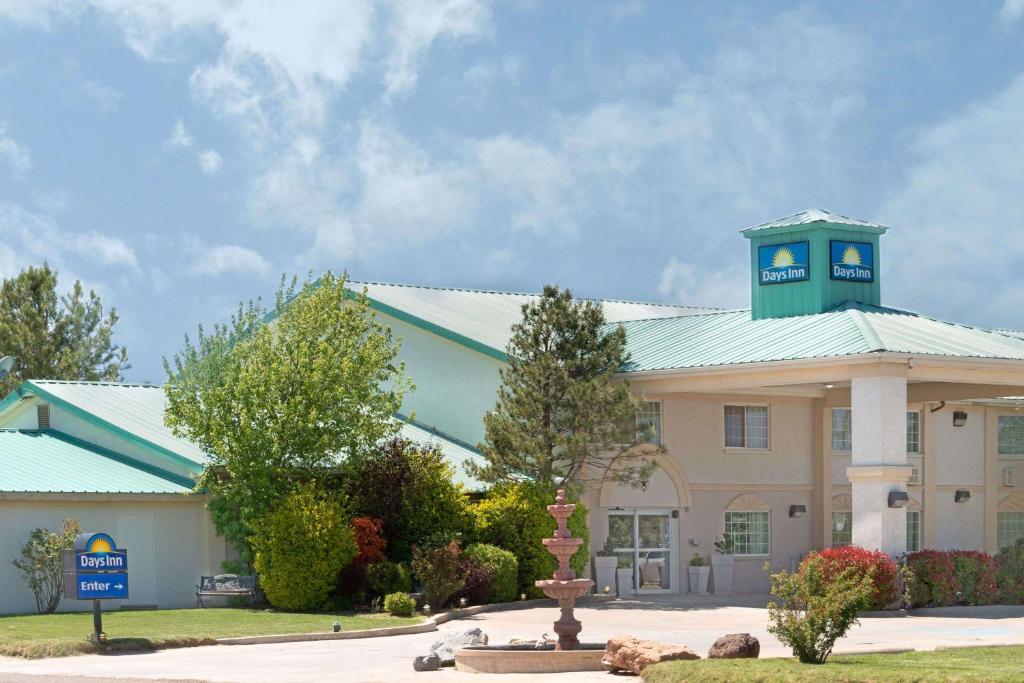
<point x="604" y="573"/>
<point x="699" y="579"/>
<point x="721" y="570"/>
<point x="625" y="580"/>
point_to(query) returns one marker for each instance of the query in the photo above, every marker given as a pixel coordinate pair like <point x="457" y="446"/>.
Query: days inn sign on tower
<point x="812" y="262"/>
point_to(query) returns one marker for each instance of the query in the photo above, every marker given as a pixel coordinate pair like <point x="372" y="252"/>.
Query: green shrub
<point x="442" y="572"/>
<point x="399" y="604"/>
<point x="411" y="489"/>
<point x="515" y="517"/>
<point x="42" y="564"/>
<point x="1010" y="573"/>
<point x="813" y="613"/>
<point x="503" y="565"/>
<point x="301" y="547"/>
<point x="386" y="577"/>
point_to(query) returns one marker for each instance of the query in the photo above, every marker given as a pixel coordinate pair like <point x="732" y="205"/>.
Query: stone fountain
<point x="564" y="586"/>
<point x="565" y="655"/>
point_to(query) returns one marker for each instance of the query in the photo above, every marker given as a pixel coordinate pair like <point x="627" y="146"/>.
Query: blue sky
<point x="179" y="156"/>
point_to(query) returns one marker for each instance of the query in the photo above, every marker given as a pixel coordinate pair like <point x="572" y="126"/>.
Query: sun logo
<point x="100" y="543"/>
<point x="851" y="256"/>
<point x="783" y="258"/>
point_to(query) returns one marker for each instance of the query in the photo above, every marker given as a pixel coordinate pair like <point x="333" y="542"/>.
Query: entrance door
<point x="644" y="541"/>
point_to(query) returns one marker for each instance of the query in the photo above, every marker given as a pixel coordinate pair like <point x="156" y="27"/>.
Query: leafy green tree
<point x="42" y="563"/>
<point x="301" y="547"/>
<point x="56" y="337"/>
<point x="562" y="414"/>
<point x="276" y="404"/>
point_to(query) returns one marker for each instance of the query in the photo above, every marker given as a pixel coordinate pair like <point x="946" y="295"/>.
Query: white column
<point x="878" y="398"/>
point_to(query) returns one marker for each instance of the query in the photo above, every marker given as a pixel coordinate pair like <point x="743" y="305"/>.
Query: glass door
<point x="643" y="541"/>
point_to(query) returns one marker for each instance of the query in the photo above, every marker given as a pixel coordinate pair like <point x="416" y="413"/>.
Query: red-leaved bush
<point x="369" y="538"/>
<point x="952" y="577"/>
<point x="885" y="571"/>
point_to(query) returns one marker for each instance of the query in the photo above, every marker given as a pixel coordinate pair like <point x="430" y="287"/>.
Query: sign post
<point x="98" y="570"/>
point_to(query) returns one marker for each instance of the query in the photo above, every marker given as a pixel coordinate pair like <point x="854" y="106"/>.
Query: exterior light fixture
<point x="961" y="496"/>
<point x="522" y="596"/>
<point x="959" y="418"/>
<point x="463" y="602"/>
<point x="606" y="590"/>
<point x="898" y="499"/>
<point x="336" y="626"/>
<point x="797" y="510"/>
<point x="830" y="386"/>
<point x="426" y="610"/>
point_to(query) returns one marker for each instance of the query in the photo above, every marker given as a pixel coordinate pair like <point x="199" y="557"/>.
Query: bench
<point x="226" y="585"/>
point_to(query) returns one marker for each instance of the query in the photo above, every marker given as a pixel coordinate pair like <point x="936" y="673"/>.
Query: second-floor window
<point x="648" y="422"/>
<point x="746" y="427"/>
<point x="842" y="430"/>
<point x="1011" y="434"/>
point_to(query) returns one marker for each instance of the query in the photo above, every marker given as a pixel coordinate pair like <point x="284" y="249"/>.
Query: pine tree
<point x="56" y="337"/>
<point x="562" y="415"/>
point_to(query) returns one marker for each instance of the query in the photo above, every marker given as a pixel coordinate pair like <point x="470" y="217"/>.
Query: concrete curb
<point x="427" y="626"/>
<point x="970" y="611"/>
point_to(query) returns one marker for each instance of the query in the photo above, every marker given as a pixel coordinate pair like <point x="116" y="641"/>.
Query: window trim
<point x="741" y="556"/>
<point x="999" y="453"/>
<point x="747" y="449"/>
<point x="832" y="440"/>
<point x="660" y="433"/>
<point x="920" y="422"/>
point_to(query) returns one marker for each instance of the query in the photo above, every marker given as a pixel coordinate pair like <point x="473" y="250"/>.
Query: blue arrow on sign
<point x="105" y="586"/>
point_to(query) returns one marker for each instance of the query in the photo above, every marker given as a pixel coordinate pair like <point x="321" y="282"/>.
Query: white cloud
<point x="16" y="156"/>
<point x="485" y="73"/>
<point x="416" y="25"/>
<point x="179" y="137"/>
<point x="697" y="285"/>
<point x="110" y="251"/>
<point x="209" y="161"/>
<point x="1011" y="11"/>
<point x="958" y="213"/>
<point x="228" y="258"/>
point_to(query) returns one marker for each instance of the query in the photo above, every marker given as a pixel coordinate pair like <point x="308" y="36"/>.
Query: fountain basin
<point x="528" y="659"/>
<point x="564" y="590"/>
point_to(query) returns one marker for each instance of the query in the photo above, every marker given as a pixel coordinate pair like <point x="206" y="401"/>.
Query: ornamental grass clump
<point x="813" y="612"/>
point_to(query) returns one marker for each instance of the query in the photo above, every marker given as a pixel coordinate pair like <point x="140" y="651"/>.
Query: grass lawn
<point x="972" y="664"/>
<point x="55" y="635"/>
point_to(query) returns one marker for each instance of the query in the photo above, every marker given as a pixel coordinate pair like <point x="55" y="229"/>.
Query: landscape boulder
<point x="626" y="653"/>
<point x="446" y="646"/>
<point x="735" y="646"/>
<point x="429" y="662"/>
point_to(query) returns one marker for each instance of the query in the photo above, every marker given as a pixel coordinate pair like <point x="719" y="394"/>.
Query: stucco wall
<point x="959" y="526"/>
<point x="184" y="546"/>
<point x="959" y="451"/>
<point x="455" y="385"/>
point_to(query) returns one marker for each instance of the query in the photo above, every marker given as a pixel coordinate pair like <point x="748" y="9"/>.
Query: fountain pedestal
<point x="564" y="586"/>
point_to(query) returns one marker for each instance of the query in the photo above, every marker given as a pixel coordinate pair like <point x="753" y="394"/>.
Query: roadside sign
<point x="102" y="586"/>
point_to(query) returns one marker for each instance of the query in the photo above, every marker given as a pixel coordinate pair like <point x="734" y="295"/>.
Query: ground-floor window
<point x="842" y="528"/>
<point x="913" y="531"/>
<point x="750" y="532"/>
<point x="1009" y="527"/>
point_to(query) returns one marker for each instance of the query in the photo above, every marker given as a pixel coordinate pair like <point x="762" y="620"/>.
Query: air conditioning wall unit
<point x="915" y="476"/>
<point x="1008" y="475"/>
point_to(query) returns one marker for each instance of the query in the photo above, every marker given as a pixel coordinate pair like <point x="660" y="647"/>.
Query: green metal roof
<point x="51" y="462"/>
<point x="456" y="452"/>
<point x="733" y="337"/>
<point x="132" y="411"/>
<point x="808" y="216"/>
<point x="483" y="320"/>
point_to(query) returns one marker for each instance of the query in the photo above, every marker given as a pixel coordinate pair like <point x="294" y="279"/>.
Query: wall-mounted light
<point x="694" y="542"/>
<point x="797" y="510"/>
<point x="961" y="496"/>
<point x="898" y="499"/>
<point x="830" y="386"/>
<point x="959" y="418"/>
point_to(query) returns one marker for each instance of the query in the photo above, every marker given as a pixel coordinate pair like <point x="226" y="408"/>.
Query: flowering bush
<point x="883" y="571"/>
<point x="950" y="577"/>
<point x="1010" y="573"/>
<point x="934" y="578"/>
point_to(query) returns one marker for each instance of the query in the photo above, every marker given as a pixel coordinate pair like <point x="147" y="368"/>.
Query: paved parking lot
<point x="674" y="620"/>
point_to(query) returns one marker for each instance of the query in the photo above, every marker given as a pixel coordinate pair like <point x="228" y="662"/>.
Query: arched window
<point x="748" y="521"/>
